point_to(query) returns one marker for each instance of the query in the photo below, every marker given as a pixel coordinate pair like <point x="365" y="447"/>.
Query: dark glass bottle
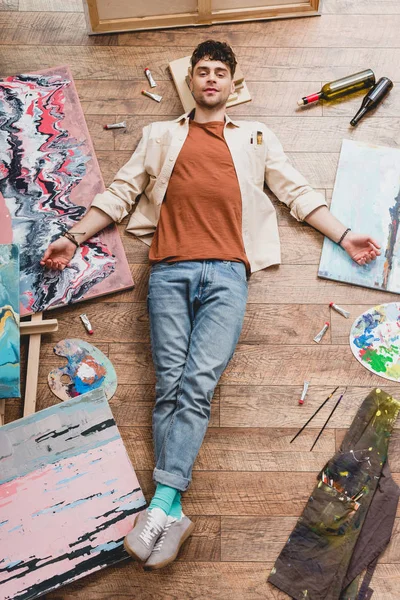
<point x="341" y="87"/>
<point x="373" y="98"/>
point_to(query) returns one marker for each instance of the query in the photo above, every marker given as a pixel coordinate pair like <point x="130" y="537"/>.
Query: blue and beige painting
<point x="366" y="197"/>
<point x="9" y="322"/>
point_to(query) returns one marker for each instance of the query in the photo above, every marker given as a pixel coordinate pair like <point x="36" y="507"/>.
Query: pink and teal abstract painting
<point x="366" y="197"/>
<point x="68" y="496"/>
<point x="49" y="176"/>
<point x="9" y="322"/>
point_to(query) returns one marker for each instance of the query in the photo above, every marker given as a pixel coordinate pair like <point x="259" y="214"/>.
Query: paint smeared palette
<point x="49" y="176"/>
<point x="375" y="340"/>
<point x="68" y="496"/>
<point x="366" y="197"/>
<point x="9" y="321"/>
<point x="87" y="369"/>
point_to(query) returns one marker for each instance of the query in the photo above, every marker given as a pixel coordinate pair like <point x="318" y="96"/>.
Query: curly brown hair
<point x="214" y="50"/>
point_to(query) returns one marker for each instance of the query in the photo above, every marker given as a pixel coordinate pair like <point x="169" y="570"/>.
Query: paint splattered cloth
<point x="349" y="517"/>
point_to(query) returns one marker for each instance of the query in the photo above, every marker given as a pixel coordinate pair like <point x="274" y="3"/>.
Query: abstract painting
<point x="375" y="340"/>
<point x="49" y="176"/>
<point x="87" y="369"/>
<point x="68" y="496"/>
<point x="9" y="321"/>
<point x="366" y="197"/>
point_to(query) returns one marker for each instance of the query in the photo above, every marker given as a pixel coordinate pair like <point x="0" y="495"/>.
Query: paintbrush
<point x="313" y="415"/>
<point x="327" y="421"/>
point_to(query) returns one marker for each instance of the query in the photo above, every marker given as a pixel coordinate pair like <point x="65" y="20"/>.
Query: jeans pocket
<point x="239" y="270"/>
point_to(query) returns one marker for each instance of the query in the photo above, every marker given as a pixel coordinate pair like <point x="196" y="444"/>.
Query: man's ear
<point x="233" y="87"/>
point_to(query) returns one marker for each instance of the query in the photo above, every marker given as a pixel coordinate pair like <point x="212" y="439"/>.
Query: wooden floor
<point x="249" y="483"/>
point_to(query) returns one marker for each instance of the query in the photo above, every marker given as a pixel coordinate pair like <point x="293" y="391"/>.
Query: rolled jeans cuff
<point x="176" y="481"/>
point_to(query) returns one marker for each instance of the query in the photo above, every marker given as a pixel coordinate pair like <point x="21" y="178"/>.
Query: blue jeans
<point x="196" y="311"/>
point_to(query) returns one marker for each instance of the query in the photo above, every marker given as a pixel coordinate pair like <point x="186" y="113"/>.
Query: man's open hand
<point x="361" y="248"/>
<point x="58" y="254"/>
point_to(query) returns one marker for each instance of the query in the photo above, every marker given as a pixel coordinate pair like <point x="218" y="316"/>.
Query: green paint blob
<point x="377" y="361"/>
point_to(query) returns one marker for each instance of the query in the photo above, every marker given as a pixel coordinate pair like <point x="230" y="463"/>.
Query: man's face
<point x="211" y="83"/>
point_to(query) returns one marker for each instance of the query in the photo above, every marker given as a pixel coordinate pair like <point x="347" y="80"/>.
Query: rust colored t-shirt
<point x="201" y="215"/>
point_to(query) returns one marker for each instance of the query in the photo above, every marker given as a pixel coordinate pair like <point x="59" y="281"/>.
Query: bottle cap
<point x="300" y="102"/>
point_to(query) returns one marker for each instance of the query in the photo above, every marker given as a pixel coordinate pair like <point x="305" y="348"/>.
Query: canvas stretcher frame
<point x="99" y="19"/>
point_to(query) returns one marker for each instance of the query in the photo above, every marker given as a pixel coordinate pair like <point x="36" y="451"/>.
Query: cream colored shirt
<point x="147" y="173"/>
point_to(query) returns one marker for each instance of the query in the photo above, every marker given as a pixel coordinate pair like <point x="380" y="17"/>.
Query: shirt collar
<point x="189" y="115"/>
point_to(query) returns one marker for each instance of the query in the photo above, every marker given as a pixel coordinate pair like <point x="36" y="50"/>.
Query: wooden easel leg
<point x="2" y="411"/>
<point x="32" y="372"/>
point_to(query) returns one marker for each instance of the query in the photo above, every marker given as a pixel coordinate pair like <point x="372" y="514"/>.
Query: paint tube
<point x="86" y="322"/>
<point x="340" y="310"/>
<point x="304" y="392"/>
<point x="321" y="334"/>
<point x="121" y="125"/>
<point x="149" y="76"/>
<point x="155" y="97"/>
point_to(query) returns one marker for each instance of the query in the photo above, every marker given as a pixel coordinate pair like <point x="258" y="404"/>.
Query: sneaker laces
<point x="150" y="530"/>
<point x="161" y="539"/>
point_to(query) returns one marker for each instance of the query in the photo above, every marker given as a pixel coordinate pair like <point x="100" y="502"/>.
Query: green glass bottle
<point x="341" y="87"/>
<point x="373" y="98"/>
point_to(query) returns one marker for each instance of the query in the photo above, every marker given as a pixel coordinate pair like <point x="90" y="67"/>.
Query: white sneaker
<point x="176" y="531"/>
<point x="148" y="527"/>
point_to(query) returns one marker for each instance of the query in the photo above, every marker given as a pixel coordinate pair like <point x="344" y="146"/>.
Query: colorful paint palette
<point x="87" y="369"/>
<point x="375" y="340"/>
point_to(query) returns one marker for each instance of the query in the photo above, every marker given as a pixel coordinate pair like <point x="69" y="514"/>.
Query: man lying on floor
<point x="209" y="224"/>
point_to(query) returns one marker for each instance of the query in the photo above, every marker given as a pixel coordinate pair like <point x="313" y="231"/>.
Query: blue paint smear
<point x="57" y="509"/>
<point x="106" y="547"/>
<point x="63" y="481"/>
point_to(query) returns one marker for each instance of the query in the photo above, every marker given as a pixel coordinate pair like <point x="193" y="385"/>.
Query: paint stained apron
<point x="349" y="517"/>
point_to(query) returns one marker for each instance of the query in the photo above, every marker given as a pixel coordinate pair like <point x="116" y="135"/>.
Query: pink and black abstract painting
<point x="49" y="176"/>
<point x="68" y="496"/>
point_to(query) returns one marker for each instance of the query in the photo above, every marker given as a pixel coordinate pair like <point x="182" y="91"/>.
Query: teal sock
<point x="163" y="498"/>
<point x="176" y="508"/>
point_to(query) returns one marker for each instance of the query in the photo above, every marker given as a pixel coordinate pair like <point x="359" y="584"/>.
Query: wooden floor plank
<point x="49" y="28"/>
<point x="260" y="64"/>
<point x="51" y="5"/>
<point x="268" y="99"/>
<point x="201" y="582"/>
<point x="361" y="7"/>
<point x="244" y="449"/>
<point x="264" y="538"/>
<point x="230" y="493"/>
<point x="189" y="580"/>
<point x="281" y="325"/>
<point x="8" y="5"/>
<point x="261" y="406"/>
<point x="332" y="31"/>
<point x="259" y="364"/>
